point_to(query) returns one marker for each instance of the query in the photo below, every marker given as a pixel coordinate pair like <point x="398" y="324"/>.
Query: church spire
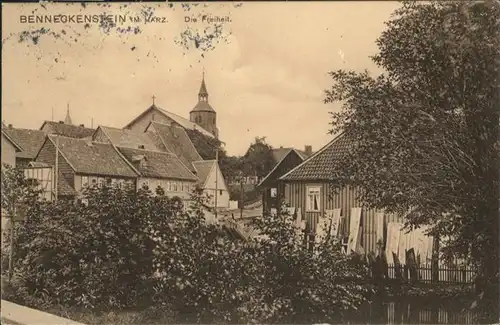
<point x="203" y="93"/>
<point x="67" y="120"/>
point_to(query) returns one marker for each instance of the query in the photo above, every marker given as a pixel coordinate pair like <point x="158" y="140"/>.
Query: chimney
<point x="61" y="122"/>
<point x="141" y="146"/>
<point x="308" y="150"/>
<point x="10" y="126"/>
<point x="82" y="125"/>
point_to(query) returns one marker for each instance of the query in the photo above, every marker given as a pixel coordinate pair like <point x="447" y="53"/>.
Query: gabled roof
<point x="203" y="169"/>
<point x="176" y="140"/>
<point x="185" y="123"/>
<point x="30" y="140"/>
<point x="278" y="164"/>
<point x="68" y="130"/>
<point x="128" y="138"/>
<point x="94" y="158"/>
<point x="158" y="164"/>
<point x="280" y="153"/>
<point x="12" y="141"/>
<point x="320" y="167"/>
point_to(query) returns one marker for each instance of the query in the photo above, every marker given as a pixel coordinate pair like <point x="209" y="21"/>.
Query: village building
<point x="66" y="128"/>
<point x="79" y="163"/>
<point x="30" y="140"/>
<point x="213" y="183"/>
<point x="308" y="188"/>
<point x="161" y="170"/>
<point x="271" y="187"/>
<point x="10" y="148"/>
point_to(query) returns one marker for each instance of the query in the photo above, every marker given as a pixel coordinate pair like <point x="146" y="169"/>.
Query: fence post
<point x="435" y="260"/>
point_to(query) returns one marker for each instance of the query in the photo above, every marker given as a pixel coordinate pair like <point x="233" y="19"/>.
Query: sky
<point x="265" y="78"/>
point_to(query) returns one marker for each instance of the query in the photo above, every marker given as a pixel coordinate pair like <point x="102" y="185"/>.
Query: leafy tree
<point x="258" y="160"/>
<point x="424" y="134"/>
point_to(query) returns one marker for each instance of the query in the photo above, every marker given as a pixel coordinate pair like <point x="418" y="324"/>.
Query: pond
<point x="404" y="312"/>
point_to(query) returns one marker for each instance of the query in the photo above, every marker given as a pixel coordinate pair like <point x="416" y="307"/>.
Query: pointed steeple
<point x="67" y="120"/>
<point x="203" y="93"/>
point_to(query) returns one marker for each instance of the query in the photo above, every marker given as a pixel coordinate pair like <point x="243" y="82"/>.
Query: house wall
<point x="171" y="187"/>
<point x="8" y="152"/>
<point x="222" y="190"/>
<point x="295" y="195"/>
<point x="291" y="161"/>
<point x="81" y="181"/>
<point x="142" y="123"/>
<point x="47" y="154"/>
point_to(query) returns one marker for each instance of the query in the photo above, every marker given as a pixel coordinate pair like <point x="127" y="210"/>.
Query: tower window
<point x="214" y="120"/>
<point x="200" y="119"/>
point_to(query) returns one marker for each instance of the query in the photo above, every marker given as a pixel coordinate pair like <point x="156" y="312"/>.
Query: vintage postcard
<point x="250" y="162"/>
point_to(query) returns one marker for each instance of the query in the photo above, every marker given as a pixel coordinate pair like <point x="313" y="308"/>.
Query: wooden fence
<point x="450" y="275"/>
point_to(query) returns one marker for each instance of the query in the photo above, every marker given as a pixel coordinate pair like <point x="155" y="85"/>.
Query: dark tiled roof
<point x="129" y="139"/>
<point x="280" y="153"/>
<point x="68" y="130"/>
<point x="320" y="165"/>
<point x="30" y="140"/>
<point x="177" y="142"/>
<point x="12" y="141"/>
<point x="203" y="169"/>
<point x="158" y="164"/>
<point x="88" y="157"/>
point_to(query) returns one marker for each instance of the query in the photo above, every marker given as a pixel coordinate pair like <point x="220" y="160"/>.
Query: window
<point x="175" y="187"/>
<point x="85" y="181"/>
<point x="94" y="181"/>
<point x="199" y="119"/>
<point x="220" y="192"/>
<point x="274" y="192"/>
<point x="313" y="198"/>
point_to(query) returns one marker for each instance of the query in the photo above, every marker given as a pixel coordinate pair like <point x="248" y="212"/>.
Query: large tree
<point x="258" y="160"/>
<point x="425" y="132"/>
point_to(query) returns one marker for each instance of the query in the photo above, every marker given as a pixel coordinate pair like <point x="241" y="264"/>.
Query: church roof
<point x="158" y="164"/>
<point x="129" y="139"/>
<point x="203" y="88"/>
<point x="203" y="106"/>
<point x="93" y="158"/>
<point x="30" y="140"/>
<point x="185" y="123"/>
<point x="67" y="130"/>
<point x="176" y="140"/>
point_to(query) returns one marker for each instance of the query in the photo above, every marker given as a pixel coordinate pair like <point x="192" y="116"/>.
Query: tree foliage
<point x="258" y="160"/>
<point x="128" y="249"/>
<point x="424" y="133"/>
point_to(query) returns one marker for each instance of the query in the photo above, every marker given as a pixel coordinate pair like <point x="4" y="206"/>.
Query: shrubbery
<point x="130" y="250"/>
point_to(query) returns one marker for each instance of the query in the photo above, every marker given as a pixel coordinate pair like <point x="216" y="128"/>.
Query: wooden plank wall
<point x="295" y="195"/>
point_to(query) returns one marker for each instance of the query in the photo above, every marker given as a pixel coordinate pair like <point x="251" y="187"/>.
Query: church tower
<point x="67" y="120"/>
<point x="203" y="114"/>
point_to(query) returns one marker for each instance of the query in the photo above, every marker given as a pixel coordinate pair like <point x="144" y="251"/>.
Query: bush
<point x="133" y="250"/>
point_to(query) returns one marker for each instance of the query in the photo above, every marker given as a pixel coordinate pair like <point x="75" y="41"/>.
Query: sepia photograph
<point x="253" y="162"/>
